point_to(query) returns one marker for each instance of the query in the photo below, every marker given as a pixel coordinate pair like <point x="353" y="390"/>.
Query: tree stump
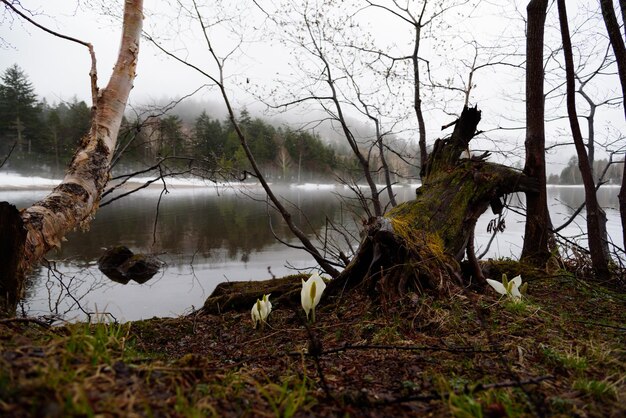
<point x="420" y="244"/>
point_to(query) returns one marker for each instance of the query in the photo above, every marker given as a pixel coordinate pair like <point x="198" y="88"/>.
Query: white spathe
<point x="261" y="310"/>
<point x="311" y="294"/>
<point x="508" y="288"/>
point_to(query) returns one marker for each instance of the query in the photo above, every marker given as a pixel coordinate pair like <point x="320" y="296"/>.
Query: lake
<point x="207" y="235"/>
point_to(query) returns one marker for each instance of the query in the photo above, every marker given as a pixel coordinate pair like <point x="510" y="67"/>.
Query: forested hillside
<point x="36" y="133"/>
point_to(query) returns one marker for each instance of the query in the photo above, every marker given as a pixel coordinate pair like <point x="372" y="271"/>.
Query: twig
<point x="158" y="206"/>
<point x="536" y="405"/>
<point x="146" y="184"/>
<point x="25" y="320"/>
<point x="347" y="347"/>
<point x="315" y="351"/>
<point x="446" y="126"/>
<point x="478" y="388"/>
<point x="8" y="155"/>
<point x="602" y="325"/>
<point x="93" y="73"/>
<point x="51" y="266"/>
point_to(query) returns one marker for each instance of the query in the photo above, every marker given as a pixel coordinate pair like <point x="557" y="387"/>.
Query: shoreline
<point x="12" y="182"/>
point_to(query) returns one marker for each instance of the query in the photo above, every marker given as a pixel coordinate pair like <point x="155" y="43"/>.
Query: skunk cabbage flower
<point x="513" y="289"/>
<point x="261" y="310"/>
<point x="268" y="304"/>
<point x="311" y="294"/>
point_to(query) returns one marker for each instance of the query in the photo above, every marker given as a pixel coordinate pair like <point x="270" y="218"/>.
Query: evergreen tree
<point x="208" y="137"/>
<point x="19" y="112"/>
<point x="171" y="136"/>
<point x="261" y="140"/>
<point x="571" y="173"/>
<point x="309" y="154"/>
<point x="63" y="126"/>
<point x="54" y="134"/>
<point x="76" y="124"/>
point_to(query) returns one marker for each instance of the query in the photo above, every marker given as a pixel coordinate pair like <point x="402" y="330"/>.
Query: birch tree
<point x="26" y="236"/>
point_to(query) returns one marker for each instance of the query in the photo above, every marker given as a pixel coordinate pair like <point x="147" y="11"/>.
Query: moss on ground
<point x="558" y="353"/>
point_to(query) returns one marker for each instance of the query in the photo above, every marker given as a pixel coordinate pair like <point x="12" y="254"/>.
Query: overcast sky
<point x="59" y="69"/>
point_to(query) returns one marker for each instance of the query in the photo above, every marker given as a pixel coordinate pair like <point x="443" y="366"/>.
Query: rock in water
<point x="121" y="265"/>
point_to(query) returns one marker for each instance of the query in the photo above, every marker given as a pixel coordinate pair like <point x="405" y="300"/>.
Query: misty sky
<point x="59" y="69"/>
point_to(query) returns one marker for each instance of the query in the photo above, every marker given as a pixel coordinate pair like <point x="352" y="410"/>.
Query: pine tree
<point x="19" y="113"/>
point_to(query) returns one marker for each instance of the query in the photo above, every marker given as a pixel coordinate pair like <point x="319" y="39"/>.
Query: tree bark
<point x="417" y="100"/>
<point x="622" y="7"/>
<point x="596" y="218"/>
<point x="537" y="230"/>
<point x="74" y="202"/>
<point x="420" y="244"/>
<point x="12" y="239"/>
<point x="619" y="50"/>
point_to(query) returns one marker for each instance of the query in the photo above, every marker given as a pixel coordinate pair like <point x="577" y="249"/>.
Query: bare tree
<point x="594" y="104"/>
<point x="538" y="224"/>
<point x="619" y="50"/>
<point x="419" y="18"/>
<point x="305" y="27"/>
<point x="596" y="218"/>
<point x="585" y="89"/>
<point x="370" y="102"/>
<point x="26" y="237"/>
<point x="592" y="66"/>
<point x="219" y="80"/>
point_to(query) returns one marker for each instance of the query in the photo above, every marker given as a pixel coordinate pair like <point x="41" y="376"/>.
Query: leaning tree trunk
<point x="619" y="50"/>
<point x="596" y="217"/>
<point x="421" y="243"/>
<point x="29" y="235"/>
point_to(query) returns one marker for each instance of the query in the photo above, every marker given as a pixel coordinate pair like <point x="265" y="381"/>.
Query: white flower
<point x="268" y="304"/>
<point x="261" y="310"/>
<point x="311" y="294"/>
<point x="513" y="289"/>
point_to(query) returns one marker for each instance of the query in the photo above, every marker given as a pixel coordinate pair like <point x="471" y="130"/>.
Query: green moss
<point x="441" y="209"/>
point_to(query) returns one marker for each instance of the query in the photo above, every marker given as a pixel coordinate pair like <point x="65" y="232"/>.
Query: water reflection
<point x="573" y="196"/>
<point x="206" y="236"/>
<point x="195" y="221"/>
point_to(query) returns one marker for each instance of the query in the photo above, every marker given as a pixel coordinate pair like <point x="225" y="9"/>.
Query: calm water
<point x="206" y="236"/>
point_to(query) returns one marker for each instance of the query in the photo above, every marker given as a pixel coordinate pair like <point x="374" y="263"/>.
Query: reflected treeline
<point x="573" y="197"/>
<point x="196" y="221"/>
<point x="230" y="225"/>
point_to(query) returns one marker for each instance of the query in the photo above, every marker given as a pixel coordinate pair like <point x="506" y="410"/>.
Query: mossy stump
<point x="420" y="244"/>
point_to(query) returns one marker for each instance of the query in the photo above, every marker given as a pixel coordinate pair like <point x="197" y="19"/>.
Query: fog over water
<point x="207" y="234"/>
